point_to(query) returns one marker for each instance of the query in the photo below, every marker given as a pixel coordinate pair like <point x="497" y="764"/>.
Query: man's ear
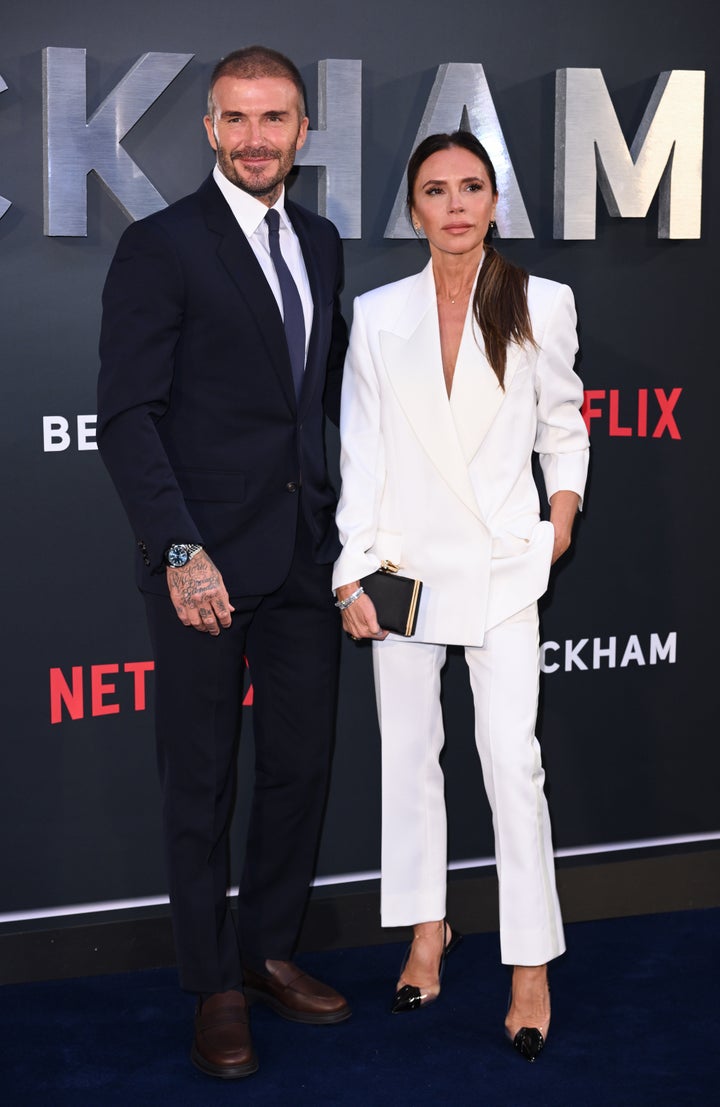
<point x="302" y="133"/>
<point x="210" y="131"/>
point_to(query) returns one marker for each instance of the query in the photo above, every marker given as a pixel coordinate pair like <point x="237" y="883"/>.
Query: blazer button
<point x="291" y="486"/>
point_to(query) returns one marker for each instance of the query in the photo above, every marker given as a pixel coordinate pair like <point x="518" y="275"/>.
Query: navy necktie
<point x="292" y="306"/>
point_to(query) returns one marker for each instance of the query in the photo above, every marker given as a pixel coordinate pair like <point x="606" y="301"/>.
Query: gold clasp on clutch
<point x="389" y="567"/>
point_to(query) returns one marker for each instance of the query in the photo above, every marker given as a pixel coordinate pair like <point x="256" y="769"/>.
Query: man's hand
<point x="199" y="595"/>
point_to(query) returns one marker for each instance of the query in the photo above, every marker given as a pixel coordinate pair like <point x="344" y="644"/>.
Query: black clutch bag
<point x="396" y="599"/>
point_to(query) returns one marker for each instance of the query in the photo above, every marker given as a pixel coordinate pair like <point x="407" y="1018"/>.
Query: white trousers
<point x="504" y="675"/>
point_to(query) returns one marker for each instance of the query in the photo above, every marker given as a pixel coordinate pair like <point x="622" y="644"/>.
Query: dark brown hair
<point x="253" y="62"/>
<point x="500" y="304"/>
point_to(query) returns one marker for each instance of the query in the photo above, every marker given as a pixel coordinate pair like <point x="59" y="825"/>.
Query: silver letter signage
<point x="460" y="99"/>
<point x="337" y="145"/>
<point x="666" y="154"/>
<point x="4" y="204"/>
<point x="75" y="146"/>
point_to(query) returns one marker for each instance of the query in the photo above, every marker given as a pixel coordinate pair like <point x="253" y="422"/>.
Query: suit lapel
<point x="235" y="253"/>
<point x="412" y="358"/>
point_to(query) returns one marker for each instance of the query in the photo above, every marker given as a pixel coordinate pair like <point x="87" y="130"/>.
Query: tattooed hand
<point x="199" y="595"/>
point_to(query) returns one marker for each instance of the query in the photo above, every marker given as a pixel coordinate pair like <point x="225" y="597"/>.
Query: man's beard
<point x="246" y="180"/>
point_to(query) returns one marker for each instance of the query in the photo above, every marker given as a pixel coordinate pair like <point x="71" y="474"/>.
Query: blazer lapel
<point x="243" y="268"/>
<point x="412" y="358"/>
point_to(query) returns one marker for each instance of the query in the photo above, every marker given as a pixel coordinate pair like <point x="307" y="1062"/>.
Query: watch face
<point x="177" y="556"/>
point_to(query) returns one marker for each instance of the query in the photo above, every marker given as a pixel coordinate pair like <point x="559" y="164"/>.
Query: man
<point x="222" y="342"/>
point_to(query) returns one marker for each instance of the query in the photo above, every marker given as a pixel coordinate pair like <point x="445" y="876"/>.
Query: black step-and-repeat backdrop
<point x="602" y="125"/>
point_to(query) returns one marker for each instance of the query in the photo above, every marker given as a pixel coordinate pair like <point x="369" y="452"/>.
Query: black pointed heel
<point x="529" y="1040"/>
<point x="410" y="997"/>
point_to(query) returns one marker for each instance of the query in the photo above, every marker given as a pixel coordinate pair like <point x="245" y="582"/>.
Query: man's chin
<point x="258" y="190"/>
<point x="256" y="186"/>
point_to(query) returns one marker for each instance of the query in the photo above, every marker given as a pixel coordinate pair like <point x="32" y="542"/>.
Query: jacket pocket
<point x="519" y="537"/>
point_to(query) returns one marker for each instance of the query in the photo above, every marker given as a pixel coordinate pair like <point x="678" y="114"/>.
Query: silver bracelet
<point x="342" y="604"/>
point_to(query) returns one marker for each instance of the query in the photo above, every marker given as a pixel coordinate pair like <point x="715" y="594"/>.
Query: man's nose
<point x="254" y="133"/>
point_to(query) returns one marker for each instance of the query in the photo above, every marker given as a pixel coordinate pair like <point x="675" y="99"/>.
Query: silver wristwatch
<point x="180" y="553"/>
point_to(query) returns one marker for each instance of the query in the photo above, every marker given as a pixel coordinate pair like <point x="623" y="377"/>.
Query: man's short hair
<point x="253" y="62"/>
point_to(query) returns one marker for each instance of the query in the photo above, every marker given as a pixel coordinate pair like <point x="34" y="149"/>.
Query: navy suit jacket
<point x="198" y="421"/>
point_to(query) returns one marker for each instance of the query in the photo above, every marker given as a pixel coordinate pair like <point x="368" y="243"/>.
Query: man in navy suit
<point x="221" y="350"/>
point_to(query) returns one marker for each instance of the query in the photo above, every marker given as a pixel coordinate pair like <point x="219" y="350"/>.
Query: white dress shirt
<point x="250" y="215"/>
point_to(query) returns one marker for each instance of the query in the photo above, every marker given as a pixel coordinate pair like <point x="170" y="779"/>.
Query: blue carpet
<point x="635" y="1021"/>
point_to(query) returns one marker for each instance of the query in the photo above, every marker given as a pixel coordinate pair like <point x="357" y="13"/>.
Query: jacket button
<point x="291" y="486"/>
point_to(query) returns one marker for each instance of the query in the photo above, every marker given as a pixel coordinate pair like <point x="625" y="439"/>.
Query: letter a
<point x="460" y="100"/>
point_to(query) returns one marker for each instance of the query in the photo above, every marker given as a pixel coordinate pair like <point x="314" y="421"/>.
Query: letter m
<point x="666" y="154"/>
<point x="76" y="145"/>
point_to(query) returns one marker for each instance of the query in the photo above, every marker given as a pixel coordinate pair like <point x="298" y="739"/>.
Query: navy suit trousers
<point x="291" y="641"/>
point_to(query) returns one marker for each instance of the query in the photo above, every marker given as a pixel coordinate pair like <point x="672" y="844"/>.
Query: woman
<point x="453" y="378"/>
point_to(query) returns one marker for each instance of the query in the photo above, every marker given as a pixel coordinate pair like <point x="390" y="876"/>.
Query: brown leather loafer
<point x="222" y="1045"/>
<point x="294" y="994"/>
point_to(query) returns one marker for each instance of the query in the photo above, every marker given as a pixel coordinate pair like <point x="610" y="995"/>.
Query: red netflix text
<point x="93" y="690"/>
<point x="647" y="413"/>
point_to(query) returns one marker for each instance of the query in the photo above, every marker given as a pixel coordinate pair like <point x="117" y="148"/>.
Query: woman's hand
<point x="563" y="509"/>
<point x="359" y="618"/>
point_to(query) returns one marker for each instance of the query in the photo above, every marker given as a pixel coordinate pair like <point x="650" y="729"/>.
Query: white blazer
<point x="444" y="487"/>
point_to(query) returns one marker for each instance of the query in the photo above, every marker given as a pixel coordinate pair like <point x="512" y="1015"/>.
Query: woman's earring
<point x="492" y="226"/>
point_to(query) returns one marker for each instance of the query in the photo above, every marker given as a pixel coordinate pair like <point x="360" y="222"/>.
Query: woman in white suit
<point x="453" y="378"/>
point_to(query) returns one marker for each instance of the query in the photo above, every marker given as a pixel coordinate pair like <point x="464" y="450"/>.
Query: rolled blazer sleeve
<point x="362" y="458"/>
<point x="561" y="440"/>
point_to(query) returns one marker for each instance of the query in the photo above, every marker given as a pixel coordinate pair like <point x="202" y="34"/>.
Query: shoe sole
<point x="223" y="1072"/>
<point x="320" y="1019"/>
